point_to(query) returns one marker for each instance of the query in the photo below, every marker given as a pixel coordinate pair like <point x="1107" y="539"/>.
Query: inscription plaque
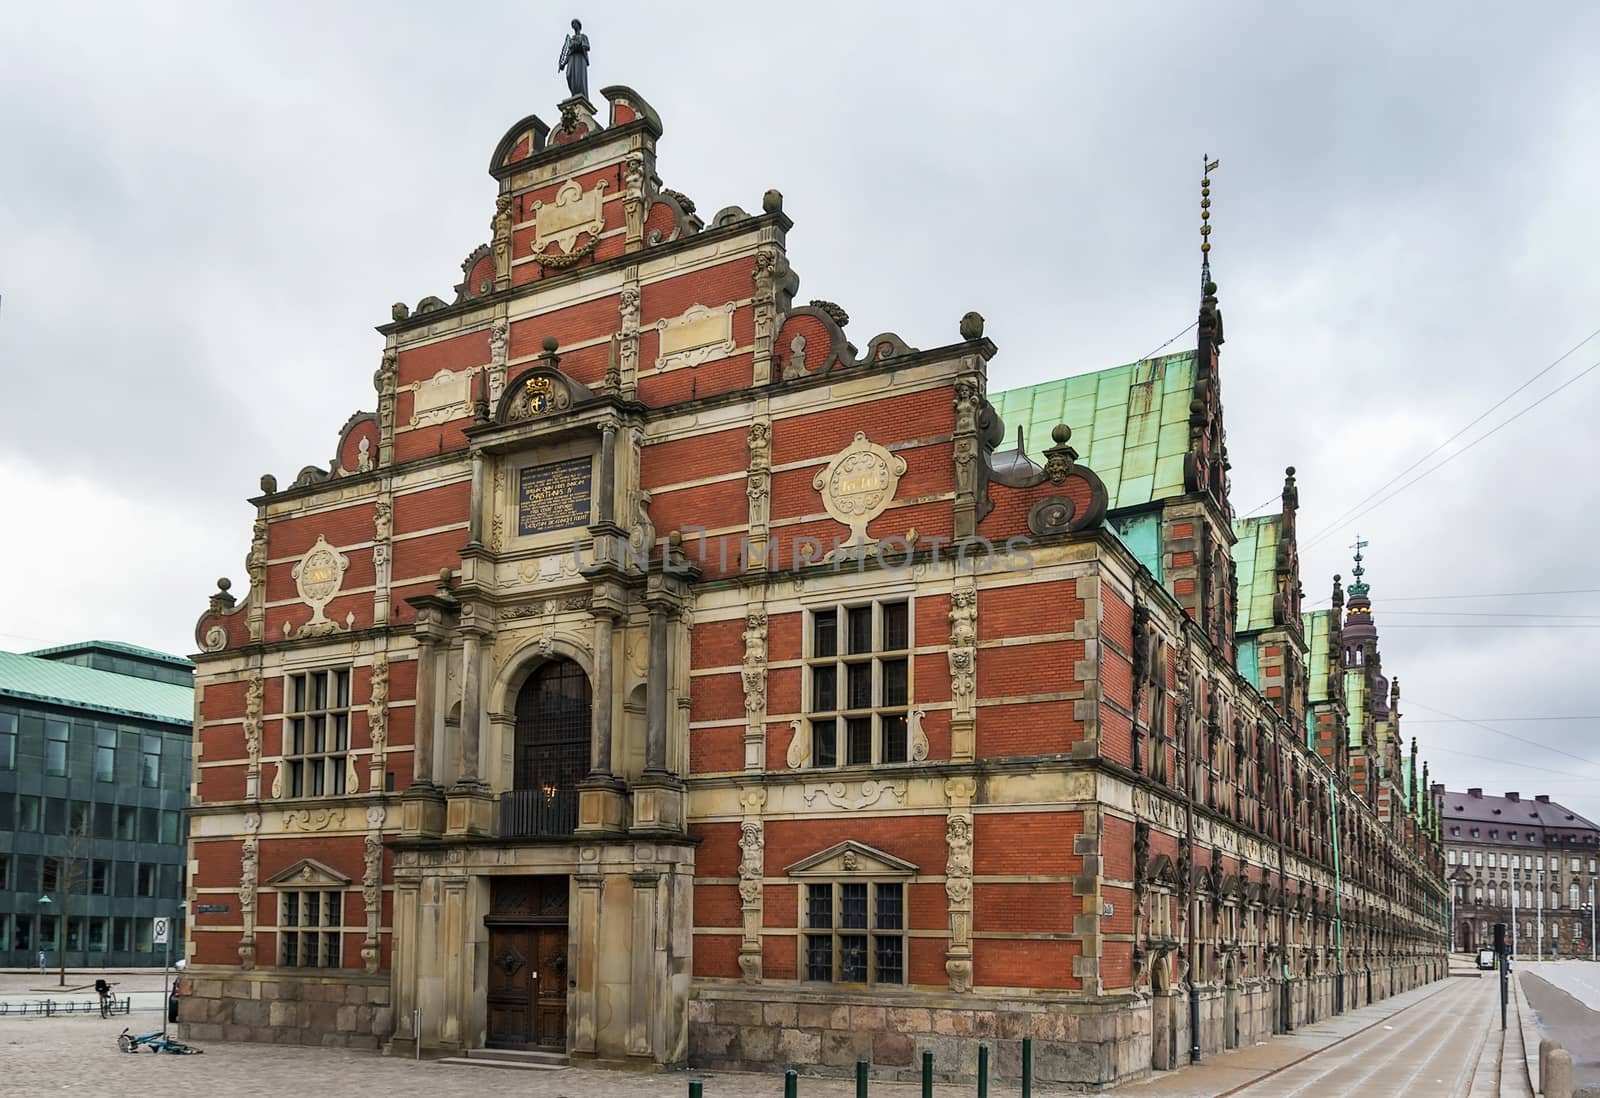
<point x="554" y="496"/>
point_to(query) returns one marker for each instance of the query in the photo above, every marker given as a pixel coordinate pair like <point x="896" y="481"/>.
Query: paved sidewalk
<point x="1563" y="1017"/>
<point x="1424" y="1037"/>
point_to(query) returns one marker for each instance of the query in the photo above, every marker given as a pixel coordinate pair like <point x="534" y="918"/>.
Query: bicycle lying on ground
<point x="155" y="1042"/>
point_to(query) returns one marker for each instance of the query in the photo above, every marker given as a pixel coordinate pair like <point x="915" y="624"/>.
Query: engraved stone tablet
<point x="554" y="496"/>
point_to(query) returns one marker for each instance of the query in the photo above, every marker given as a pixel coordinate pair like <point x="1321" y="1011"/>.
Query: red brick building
<point x="658" y="675"/>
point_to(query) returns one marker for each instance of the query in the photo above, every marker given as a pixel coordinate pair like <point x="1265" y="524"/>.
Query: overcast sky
<point x="204" y="209"/>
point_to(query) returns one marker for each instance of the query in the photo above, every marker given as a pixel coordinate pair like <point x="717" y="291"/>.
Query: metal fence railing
<point x="791" y="1078"/>
<point x="50" y="1008"/>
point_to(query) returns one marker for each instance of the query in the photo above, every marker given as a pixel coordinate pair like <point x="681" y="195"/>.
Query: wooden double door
<point x="528" y="979"/>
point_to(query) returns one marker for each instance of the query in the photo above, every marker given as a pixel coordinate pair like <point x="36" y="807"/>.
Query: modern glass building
<point x="94" y="778"/>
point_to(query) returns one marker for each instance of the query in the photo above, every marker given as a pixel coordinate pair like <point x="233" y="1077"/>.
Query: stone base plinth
<point x="343" y="1011"/>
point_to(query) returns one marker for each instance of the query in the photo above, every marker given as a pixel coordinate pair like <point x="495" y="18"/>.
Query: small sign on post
<point x="160" y="935"/>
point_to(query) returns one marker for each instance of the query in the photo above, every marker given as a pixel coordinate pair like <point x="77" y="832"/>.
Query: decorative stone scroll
<point x="317" y="578"/>
<point x="853" y="798"/>
<point x="858" y="484"/>
<point x="313" y="819"/>
<point x="697" y="336"/>
<point x="799" y="744"/>
<point x="573" y="213"/>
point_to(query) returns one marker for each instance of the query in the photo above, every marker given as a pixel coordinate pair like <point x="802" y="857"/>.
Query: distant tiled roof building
<point x="1530" y="853"/>
<point x="94" y="776"/>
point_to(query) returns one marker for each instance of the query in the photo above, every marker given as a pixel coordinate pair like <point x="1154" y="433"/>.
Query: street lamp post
<point x="1589" y="907"/>
<point x="44" y="912"/>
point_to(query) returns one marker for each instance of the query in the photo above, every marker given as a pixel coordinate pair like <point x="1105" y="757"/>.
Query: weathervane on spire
<point x="575" y="60"/>
<point x="1359" y="588"/>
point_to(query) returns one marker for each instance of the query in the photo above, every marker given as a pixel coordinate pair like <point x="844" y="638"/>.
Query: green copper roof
<point x="1256" y="556"/>
<point x="1355" y="697"/>
<point x="113" y="646"/>
<point x="1130" y="424"/>
<point x="1318" y="628"/>
<point x="32" y="679"/>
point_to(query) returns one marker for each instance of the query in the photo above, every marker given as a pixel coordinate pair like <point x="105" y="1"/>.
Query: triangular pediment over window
<point x="308" y="873"/>
<point x="1161" y="872"/>
<point x="851" y="858"/>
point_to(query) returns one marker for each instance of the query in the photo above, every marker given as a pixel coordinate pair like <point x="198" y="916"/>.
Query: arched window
<point x="552" y="752"/>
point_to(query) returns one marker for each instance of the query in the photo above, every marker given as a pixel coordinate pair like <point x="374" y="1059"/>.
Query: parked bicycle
<point x="155" y="1042"/>
<point x="108" y="999"/>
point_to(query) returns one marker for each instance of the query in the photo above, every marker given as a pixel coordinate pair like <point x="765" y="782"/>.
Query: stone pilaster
<point x="752" y="869"/>
<point x="628" y="334"/>
<point x="249" y="875"/>
<point x="385" y="381"/>
<point x="958" y="881"/>
<point x="754" y="672"/>
<point x="758" y="489"/>
<point x="962" y="654"/>
<point x="969" y="395"/>
<point x="372" y="885"/>
<point x="254" y="689"/>
<point x="378" y="722"/>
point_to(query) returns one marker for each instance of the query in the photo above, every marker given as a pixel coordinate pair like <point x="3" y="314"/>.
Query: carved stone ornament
<point x="799" y="744"/>
<point x="313" y="819"/>
<point x="858" y="484"/>
<point x="318" y="577"/>
<point x="848" y="795"/>
<point x="697" y="336"/>
<point x="919" y="738"/>
<point x="573" y="213"/>
<point x="253" y="694"/>
<point x="963" y="650"/>
<point x="536" y="395"/>
<point x="755" y="662"/>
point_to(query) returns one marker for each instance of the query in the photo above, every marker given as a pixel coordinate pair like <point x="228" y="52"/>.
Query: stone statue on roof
<point x="575" y="60"/>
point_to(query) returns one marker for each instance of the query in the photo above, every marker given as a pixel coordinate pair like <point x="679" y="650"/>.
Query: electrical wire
<point x="1501" y="732"/>
<point x="1479" y="419"/>
<point x="1435" y="468"/>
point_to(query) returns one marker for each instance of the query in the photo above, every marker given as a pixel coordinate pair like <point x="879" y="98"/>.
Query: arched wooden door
<point x="552" y="752"/>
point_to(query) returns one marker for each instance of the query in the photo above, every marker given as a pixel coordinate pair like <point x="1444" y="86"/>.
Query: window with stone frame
<point x="858" y="683"/>
<point x="310" y="928"/>
<point x="316" y="732"/>
<point x="855" y="932"/>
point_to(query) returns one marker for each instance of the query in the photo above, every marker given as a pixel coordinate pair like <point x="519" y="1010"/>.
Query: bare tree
<point x="72" y="874"/>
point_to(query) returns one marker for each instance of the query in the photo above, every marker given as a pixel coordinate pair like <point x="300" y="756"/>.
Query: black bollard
<point x="695" y="1088"/>
<point x="983" y="1071"/>
<point x="861" y="1079"/>
<point x="927" y="1073"/>
<point x="1027" y="1067"/>
<point x="791" y="1083"/>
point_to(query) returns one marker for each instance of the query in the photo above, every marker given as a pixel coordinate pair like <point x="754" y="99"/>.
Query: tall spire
<point x="1205" y="221"/>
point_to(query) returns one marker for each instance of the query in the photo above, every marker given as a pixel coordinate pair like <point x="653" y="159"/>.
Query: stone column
<point x="608" y="473"/>
<point x="600" y="765"/>
<point x="470" y="802"/>
<point x="655" y="717"/>
<point x="471" y="714"/>
<point x="422" y="737"/>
